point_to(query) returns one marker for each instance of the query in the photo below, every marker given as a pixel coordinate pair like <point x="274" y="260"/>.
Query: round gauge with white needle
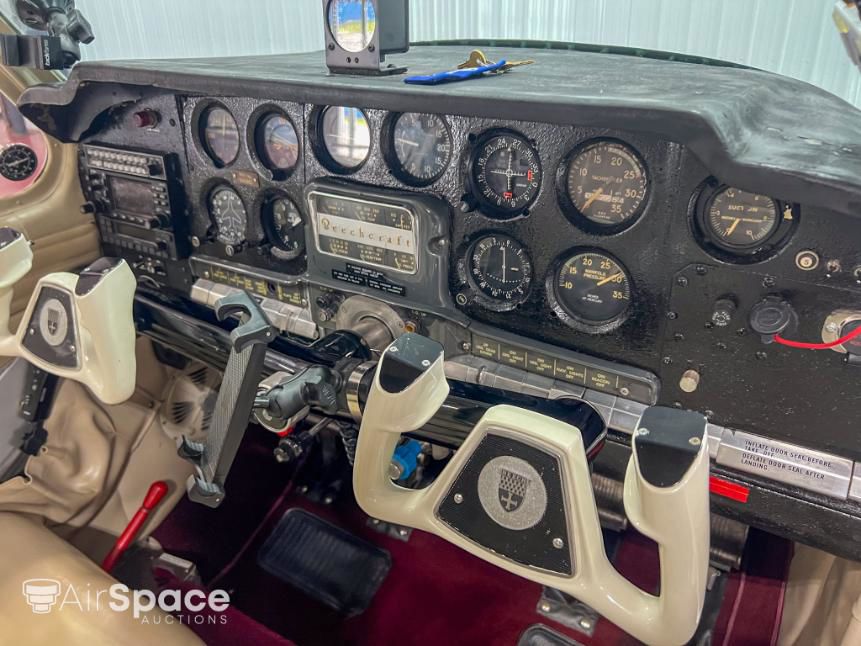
<point x="420" y="147"/>
<point x="228" y="215"/>
<point x="506" y="173"/>
<point x="500" y="270"/>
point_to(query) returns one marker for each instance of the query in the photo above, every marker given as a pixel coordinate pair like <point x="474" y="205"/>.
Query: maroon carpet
<point x="435" y="592"/>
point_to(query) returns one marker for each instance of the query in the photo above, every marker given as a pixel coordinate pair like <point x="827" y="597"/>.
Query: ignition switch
<point x="772" y="315"/>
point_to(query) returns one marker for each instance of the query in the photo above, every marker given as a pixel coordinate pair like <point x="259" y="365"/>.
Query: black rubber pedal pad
<point x="325" y="562"/>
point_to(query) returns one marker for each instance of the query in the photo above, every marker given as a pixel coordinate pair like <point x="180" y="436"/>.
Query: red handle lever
<point x="157" y="492"/>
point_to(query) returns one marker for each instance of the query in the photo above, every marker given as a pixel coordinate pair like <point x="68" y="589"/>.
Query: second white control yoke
<point x="518" y="494"/>
<point x="78" y="327"/>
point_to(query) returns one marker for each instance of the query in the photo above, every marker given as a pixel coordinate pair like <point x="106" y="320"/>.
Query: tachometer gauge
<point x="740" y="220"/>
<point x="229" y="216"/>
<point x="284" y="226"/>
<point x="590" y="291"/>
<point x="500" y="269"/>
<point x="606" y="183"/>
<point x="220" y="135"/>
<point x="422" y="147"/>
<point x="277" y="143"/>
<point x="345" y="136"/>
<point x="506" y="173"/>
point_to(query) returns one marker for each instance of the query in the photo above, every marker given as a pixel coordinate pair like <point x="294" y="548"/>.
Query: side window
<point x="23" y="150"/>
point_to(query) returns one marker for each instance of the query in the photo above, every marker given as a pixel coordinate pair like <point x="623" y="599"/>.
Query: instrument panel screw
<point x="643" y="431"/>
<point x="761" y="356"/>
<point x="331" y="47"/>
<point x="195" y="242"/>
<point x="585" y="624"/>
<point x="768" y="281"/>
<point x="544" y="607"/>
<point x="461" y="299"/>
<point x="672" y="316"/>
<point x="425" y="363"/>
<point x="624" y="392"/>
<point x="466" y="346"/>
<point x="695" y="441"/>
<point x="402" y="532"/>
<point x="667" y="361"/>
<point x="682" y="281"/>
<point x="458" y="498"/>
<point x="832" y="327"/>
<point x="833" y="266"/>
<point x="678" y="336"/>
<point x="558" y="543"/>
<point x="701" y="270"/>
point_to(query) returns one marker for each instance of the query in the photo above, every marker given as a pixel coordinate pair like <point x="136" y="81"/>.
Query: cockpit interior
<point x="469" y="341"/>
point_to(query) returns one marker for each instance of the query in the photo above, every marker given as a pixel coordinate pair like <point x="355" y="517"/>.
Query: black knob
<point x="724" y="310"/>
<point x="88" y="207"/>
<point x="154" y="168"/>
<point x="772" y="315"/>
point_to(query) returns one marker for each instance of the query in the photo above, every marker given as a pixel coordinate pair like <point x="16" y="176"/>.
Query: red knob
<point x="157" y="491"/>
<point x="146" y="119"/>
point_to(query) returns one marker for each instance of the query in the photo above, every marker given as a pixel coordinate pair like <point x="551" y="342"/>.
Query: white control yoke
<point x="518" y="494"/>
<point x="75" y="327"/>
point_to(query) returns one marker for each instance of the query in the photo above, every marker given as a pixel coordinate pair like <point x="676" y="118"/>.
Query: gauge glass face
<point x="18" y="162"/>
<point x="507" y="173"/>
<point x="500" y="268"/>
<point x="346" y="135"/>
<point x="220" y="135"/>
<point x="352" y="23"/>
<point x="422" y="145"/>
<point x="284" y="227"/>
<point x="229" y="215"/>
<point x="740" y="220"/>
<point x="593" y="288"/>
<point x="277" y="143"/>
<point x="607" y="183"/>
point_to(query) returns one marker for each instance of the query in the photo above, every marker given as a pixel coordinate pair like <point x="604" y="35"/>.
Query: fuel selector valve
<point x="518" y="494"/>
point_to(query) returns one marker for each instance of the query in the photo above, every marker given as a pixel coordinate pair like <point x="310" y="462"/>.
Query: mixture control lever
<point x="214" y="456"/>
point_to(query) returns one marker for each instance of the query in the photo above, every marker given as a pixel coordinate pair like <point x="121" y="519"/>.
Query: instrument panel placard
<point x="372" y="233"/>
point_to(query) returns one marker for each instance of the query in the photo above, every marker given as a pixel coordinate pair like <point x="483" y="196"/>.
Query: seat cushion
<point x="50" y="593"/>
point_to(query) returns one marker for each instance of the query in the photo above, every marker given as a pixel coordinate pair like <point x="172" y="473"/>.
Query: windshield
<point x="795" y="38"/>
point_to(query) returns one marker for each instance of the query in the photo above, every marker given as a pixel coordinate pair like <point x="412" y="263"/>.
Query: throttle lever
<point x="214" y="456"/>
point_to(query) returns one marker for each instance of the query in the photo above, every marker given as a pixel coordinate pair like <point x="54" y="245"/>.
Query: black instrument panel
<point x="575" y="237"/>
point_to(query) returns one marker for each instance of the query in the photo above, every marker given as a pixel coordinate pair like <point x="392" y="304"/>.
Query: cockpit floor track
<point x="435" y="593"/>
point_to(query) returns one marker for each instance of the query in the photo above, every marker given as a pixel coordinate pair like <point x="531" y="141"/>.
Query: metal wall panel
<point x="792" y="37"/>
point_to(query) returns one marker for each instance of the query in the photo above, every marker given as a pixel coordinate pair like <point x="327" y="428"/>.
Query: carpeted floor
<point x="435" y="592"/>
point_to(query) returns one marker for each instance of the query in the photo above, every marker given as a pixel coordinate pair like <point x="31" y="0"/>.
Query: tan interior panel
<point x="49" y="212"/>
<point x="97" y="465"/>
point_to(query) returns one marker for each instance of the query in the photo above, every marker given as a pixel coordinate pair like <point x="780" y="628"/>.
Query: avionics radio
<point x="136" y="198"/>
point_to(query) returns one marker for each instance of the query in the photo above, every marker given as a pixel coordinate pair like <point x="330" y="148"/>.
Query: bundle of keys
<point x="477" y="58"/>
<point x="475" y="66"/>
